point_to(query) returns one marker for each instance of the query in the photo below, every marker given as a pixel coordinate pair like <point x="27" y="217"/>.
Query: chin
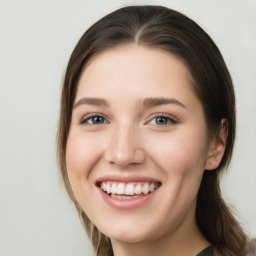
<point x="128" y="236"/>
<point x="132" y="232"/>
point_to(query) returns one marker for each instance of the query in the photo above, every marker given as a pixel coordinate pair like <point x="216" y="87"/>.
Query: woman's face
<point x="137" y="145"/>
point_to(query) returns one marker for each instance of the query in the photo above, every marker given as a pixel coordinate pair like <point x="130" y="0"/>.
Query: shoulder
<point x="252" y="248"/>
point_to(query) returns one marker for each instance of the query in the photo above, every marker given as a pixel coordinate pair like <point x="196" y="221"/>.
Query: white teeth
<point x="120" y="189"/>
<point x="137" y="189"/>
<point x="129" y="189"/>
<point x="145" y="188"/>
<point x="114" y="188"/>
<point x="104" y="186"/>
<point x="124" y="197"/>
<point x="152" y="187"/>
<point x="108" y="188"/>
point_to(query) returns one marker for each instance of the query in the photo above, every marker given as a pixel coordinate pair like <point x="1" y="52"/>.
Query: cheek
<point x="180" y="152"/>
<point x="181" y="157"/>
<point x="182" y="160"/>
<point x="80" y="155"/>
<point x="74" y="155"/>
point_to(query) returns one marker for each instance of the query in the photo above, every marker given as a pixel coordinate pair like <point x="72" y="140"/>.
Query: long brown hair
<point x="160" y="27"/>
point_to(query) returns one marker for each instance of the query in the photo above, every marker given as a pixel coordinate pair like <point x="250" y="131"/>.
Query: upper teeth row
<point x="128" y="188"/>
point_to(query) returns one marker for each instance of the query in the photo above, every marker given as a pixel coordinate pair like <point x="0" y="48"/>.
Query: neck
<point x="184" y="241"/>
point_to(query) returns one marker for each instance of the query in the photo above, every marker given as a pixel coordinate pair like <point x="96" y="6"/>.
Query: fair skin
<point x="151" y="130"/>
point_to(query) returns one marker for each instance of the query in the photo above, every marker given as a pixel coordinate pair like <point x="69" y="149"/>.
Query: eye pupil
<point x="97" y="120"/>
<point x="161" y="120"/>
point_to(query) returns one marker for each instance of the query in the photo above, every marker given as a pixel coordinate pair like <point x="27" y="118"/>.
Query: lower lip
<point x="127" y="204"/>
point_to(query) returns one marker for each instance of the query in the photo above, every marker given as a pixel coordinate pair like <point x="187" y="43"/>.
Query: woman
<point x="147" y="125"/>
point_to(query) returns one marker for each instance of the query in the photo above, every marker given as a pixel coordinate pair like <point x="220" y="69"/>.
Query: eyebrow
<point x="152" y="102"/>
<point x="92" y="101"/>
<point x="147" y="103"/>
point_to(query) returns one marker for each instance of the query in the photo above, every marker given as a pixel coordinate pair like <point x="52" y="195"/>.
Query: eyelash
<point x="87" y="118"/>
<point x="169" y="119"/>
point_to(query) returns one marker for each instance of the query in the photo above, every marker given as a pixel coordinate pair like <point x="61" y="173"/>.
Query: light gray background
<point x="36" y="39"/>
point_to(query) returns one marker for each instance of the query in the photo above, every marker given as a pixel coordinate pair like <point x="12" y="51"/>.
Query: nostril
<point x="123" y="159"/>
<point x="124" y="148"/>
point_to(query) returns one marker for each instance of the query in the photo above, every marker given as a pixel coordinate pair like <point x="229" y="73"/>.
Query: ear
<point x="217" y="147"/>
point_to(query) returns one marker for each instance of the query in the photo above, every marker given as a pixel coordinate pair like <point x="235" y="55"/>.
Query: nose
<point x="124" y="147"/>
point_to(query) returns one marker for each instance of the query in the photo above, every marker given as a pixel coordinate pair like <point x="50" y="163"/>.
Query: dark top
<point x="206" y="252"/>
<point x="251" y="250"/>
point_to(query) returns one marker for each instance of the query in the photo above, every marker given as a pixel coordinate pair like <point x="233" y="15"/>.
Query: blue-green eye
<point x="162" y="120"/>
<point x="94" y="120"/>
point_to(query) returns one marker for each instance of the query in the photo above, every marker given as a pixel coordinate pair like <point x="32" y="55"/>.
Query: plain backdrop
<point x="36" y="40"/>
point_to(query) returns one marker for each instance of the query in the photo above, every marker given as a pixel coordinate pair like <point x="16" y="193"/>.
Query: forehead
<point x="135" y="70"/>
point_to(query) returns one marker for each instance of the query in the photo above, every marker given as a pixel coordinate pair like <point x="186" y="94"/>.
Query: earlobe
<point x="217" y="147"/>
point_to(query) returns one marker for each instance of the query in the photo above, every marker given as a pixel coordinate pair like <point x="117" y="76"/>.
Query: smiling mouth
<point x="128" y="191"/>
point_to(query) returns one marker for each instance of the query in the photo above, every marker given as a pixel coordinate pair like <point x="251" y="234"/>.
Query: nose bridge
<point x="124" y="146"/>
